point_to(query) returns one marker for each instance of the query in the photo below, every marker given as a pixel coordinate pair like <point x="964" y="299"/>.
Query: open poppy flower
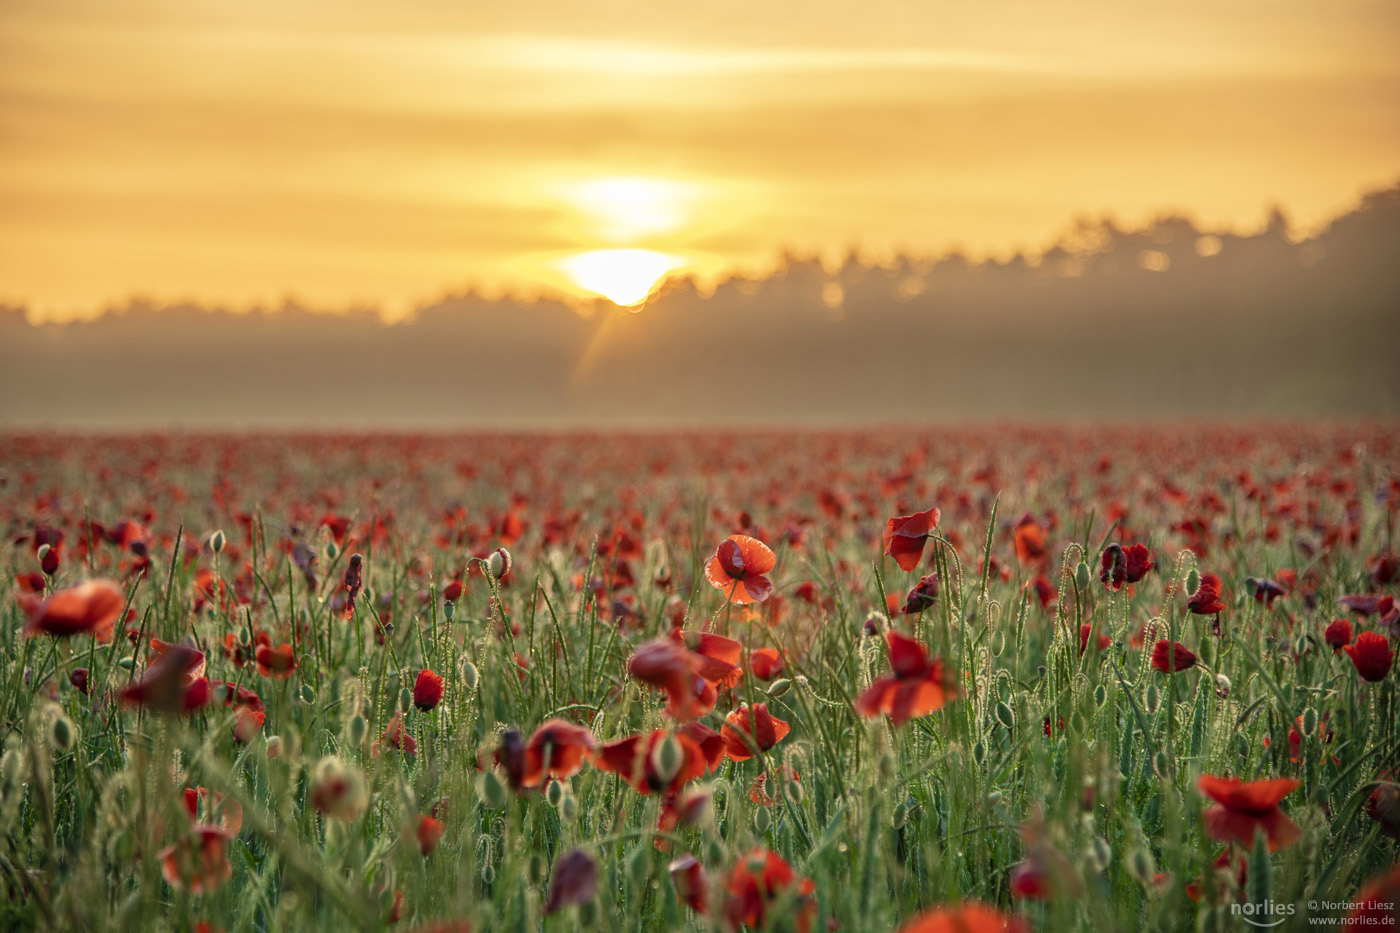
<point x="742" y="731"/>
<point x="967" y="917"/>
<point x="719" y="656"/>
<point x="1243" y="808"/>
<point x="195" y="664"/>
<point x="642" y="761"/>
<point x="917" y="687"/>
<point x="277" y="663"/>
<point x="906" y="535"/>
<point x="1170" y="657"/>
<point x="397" y="737"/>
<point x="739" y="568"/>
<point x="1372" y="656"/>
<point x="1377" y="903"/>
<point x="427" y="690"/>
<point x="166" y="685"/>
<point x="1338" y="634"/>
<point x="89" y="608"/>
<point x="766" y="663"/>
<point x="669" y="666"/>
<point x="1206" y="600"/>
<point x="428" y="833"/>
<point x="710" y="742"/>
<point x="198" y="862"/>
<point x="1125" y="565"/>
<point x="1085" y="632"/>
<point x="556" y="749"/>
<point x="1030" y="540"/>
<point x="757" y="882"/>
<point x="691" y="883"/>
<point x="1368" y="604"/>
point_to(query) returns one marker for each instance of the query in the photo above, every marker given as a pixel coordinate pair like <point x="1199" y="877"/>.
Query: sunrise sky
<point x="368" y="153"/>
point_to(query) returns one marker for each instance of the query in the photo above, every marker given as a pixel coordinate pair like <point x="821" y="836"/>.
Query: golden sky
<point x="372" y="153"/>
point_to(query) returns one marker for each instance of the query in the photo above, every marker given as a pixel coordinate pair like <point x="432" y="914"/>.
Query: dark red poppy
<point x="1172" y="656"/>
<point x="1206" y="600"/>
<point x="1383" y="806"/>
<point x="742" y="731"/>
<point x="691" y="883"/>
<point x="427" y="690"/>
<point x="1372" y="655"/>
<point x="354" y="582"/>
<point x="89" y="608"/>
<point x="740" y="567"/>
<point x="556" y="749"/>
<point x="510" y="755"/>
<point x="1383" y="569"/>
<point x="906" y="535"/>
<point x="166" y="685"/>
<point x="1045" y="591"/>
<point x="575" y="881"/>
<point x="1243" y="808"/>
<point x="1120" y="565"/>
<point x="1338" y="634"/>
<point x="923" y="596"/>
<point x="1265" y="590"/>
<point x="917" y="687"/>
<point x="757" y="882"/>
<point x="1368" y="604"/>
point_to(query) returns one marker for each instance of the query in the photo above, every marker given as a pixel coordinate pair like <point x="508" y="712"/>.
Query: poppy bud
<point x="1141" y="866"/>
<point x="1082" y="576"/>
<point x="332" y="550"/>
<point x="554" y="793"/>
<point x="274" y="746"/>
<point x="1005" y="716"/>
<point x="1100" y="695"/>
<point x="761" y="821"/>
<point x="499" y="563"/>
<point x="994" y="798"/>
<point x="1152" y="699"/>
<point x="470" y="675"/>
<point x="794" y="791"/>
<point x="1309" y="721"/>
<point x="779" y="687"/>
<point x="492" y="791"/>
<point x="359" y="728"/>
<point x="1193" y="580"/>
<point x="79" y="679"/>
<point x="405" y="699"/>
<point x="887" y="765"/>
<point x="488" y="874"/>
<point x="568" y="809"/>
<point x="126" y="663"/>
<point x="979" y="752"/>
<point x="1251" y="585"/>
<point x="388" y="629"/>
<point x="998" y="643"/>
<point x="900" y="815"/>
<point x="308" y="694"/>
<point x="714" y="851"/>
<point x="48" y="560"/>
<point x="62" y="733"/>
<point x="216" y="542"/>
<point x="1162" y="765"/>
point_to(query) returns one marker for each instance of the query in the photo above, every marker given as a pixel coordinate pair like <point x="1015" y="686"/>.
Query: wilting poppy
<point x="277" y="663"/>
<point x="198" y="862"/>
<point x="917" y="687"/>
<point x="1372" y="656"/>
<point x="1265" y="590"/>
<point x="575" y="881"/>
<point x="691" y="883"/>
<point x="650" y="764"/>
<point x="354" y="582"/>
<point x="1119" y="565"/>
<point x="766" y="663"/>
<point x="1383" y="569"/>
<point x="1206" y="600"/>
<point x="1172" y="656"/>
<point x="1243" y="808"/>
<point x="739" y="568"/>
<point x="742" y="731"/>
<point x="1338" y="634"/>
<point x="558" y="749"/>
<point x="427" y="690"/>
<point x="89" y="608"/>
<point x="923" y="596"/>
<point x="906" y="535"/>
<point x="967" y="917"/>
<point x="757" y="882"/>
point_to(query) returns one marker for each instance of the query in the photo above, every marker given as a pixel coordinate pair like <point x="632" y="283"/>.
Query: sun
<point x="623" y="276"/>
<point x="622" y="209"/>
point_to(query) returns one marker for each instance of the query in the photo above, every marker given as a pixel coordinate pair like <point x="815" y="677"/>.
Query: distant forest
<point x="1163" y="322"/>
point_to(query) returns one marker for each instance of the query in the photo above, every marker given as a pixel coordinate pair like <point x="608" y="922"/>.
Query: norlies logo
<point x="1265" y="914"/>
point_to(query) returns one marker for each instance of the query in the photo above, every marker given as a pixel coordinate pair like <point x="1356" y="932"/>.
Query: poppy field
<point x="919" y="680"/>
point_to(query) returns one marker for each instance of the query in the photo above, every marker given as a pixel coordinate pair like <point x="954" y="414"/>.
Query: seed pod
<point x="62" y="733"/>
<point x="1141" y="866"/>
<point x="994" y="798"/>
<point x="308" y="694"/>
<point x="488" y="873"/>
<point x="448" y="610"/>
<point x="979" y="752"/>
<point x="794" y="792"/>
<point x="358" y="729"/>
<point x="405" y="699"/>
<point x="1100" y="854"/>
<point x="537" y="868"/>
<point x="499" y="563"/>
<point x="1162" y="765"/>
<point x="888" y="765"/>
<point x="900" y="816"/>
<point x="332" y="550"/>
<point x="568" y="809"/>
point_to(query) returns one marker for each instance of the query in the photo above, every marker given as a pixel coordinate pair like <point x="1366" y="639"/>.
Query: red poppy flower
<point x="766" y="663"/>
<point x="195" y="664"/>
<point x="671" y="667"/>
<point x="240" y="654"/>
<point x="1377" y="904"/>
<point x="1243" y="808"/>
<point x="510" y="755"/>
<point x="89" y="608"/>
<point x="691" y="883"/>
<point x="742" y="731"/>
<point x="1029" y="539"/>
<point x="917" y="687"/>
<point x="739" y="568"/>
<point x="1085" y="631"/>
<point x="1383" y="569"/>
<point x="1206" y="600"/>
<point x="1121" y="565"/>
<point x="640" y="760"/>
<point x="906" y="535"/>
<point x="1372" y="656"/>
<point x="1045" y="591"/>
<point x="427" y="690"/>
<point x="396" y="736"/>
<point x="277" y="663"/>
<point x="923" y="596"/>
<point x="165" y="685"/>
<point x="198" y="862"/>
<point x="967" y="917"/>
<point x="428" y="833"/>
<point x="1383" y="806"/>
<point x="757" y="882"/>
<point x="1170" y="657"/>
<point x="1338" y="634"/>
<point x="1368" y="604"/>
<point x="710" y="742"/>
<point x="558" y="749"/>
<point x="719" y="656"/>
<point x="575" y="881"/>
